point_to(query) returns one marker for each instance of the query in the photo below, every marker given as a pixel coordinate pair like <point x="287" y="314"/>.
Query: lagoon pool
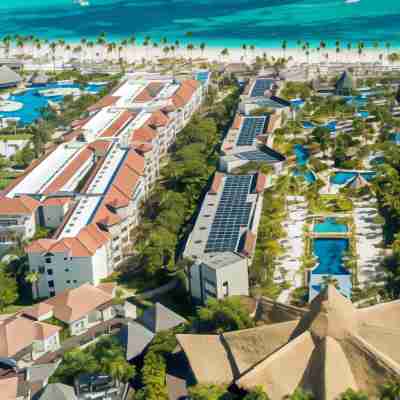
<point x="330" y="256"/>
<point x="308" y="175"/>
<point x="33" y="103"/>
<point x="202" y="76"/>
<point x="302" y="154"/>
<point x="362" y="114"/>
<point x="395" y="137"/>
<point x="297" y="103"/>
<point x="342" y="177"/>
<point x="330" y="225"/>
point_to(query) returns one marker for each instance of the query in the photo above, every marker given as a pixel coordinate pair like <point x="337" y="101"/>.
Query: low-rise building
<point x="8" y="77"/>
<point x="227" y="223"/>
<point x="247" y="141"/>
<point x="22" y="338"/>
<point x="79" y="308"/>
<point x="19" y="218"/>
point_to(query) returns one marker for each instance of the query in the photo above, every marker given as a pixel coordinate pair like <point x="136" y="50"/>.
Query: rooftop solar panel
<point x="233" y="212"/>
<point x="258" y="155"/>
<point x="250" y="129"/>
<point x="260" y="87"/>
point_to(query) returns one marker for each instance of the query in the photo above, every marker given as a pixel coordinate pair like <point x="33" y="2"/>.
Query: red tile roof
<point x="249" y="244"/>
<point x="216" y="183"/>
<point x="119" y="124"/>
<point x="149" y="92"/>
<point x="144" y="134"/>
<point x="37" y="310"/>
<point x="185" y="92"/>
<point x="104" y="102"/>
<point x="237" y="122"/>
<point x="40" y="246"/>
<point x="158" y="118"/>
<point x="100" y="146"/>
<point x="23" y="205"/>
<point x="142" y="147"/>
<point x="74" y="304"/>
<point x="261" y="181"/>
<point x="71" y="169"/>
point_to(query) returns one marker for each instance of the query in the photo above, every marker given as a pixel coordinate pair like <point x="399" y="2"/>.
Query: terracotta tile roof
<point x="73" y="304"/>
<point x="71" y="169"/>
<point x="104" y="102"/>
<point x="261" y="181"/>
<point x="216" y="183"/>
<point x="57" y="201"/>
<point x="78" y="123"/>
<point x="149" y="92"/>
<point x="108" y="287"/>
<point x="23" y="205"/>
<point x="237" y="122"/>
<point x="9" y="388"/>
<point x="100" y="146"/>
<point x="135" y="162"/>
<point x="11" y="339"/>
<point x="40" y="246"/>
<point x="142" y="147"/>
<point x="249" y="244"/>
<point x="33" y="165"/>
<point x="185" y="92"/>
<point x="144" y="134"/>
<point x="106" y="217"/>
<point x="37" y="310"/>
<point x="119" y="124"/>
<point x="158" y="118"/>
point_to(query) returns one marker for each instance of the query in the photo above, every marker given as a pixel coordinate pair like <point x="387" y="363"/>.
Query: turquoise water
<point x="330" y="256"/>
<point x="330" y="225"/>
<point x="302" y="154"/>
<point x="342" y="177"/>
<point x="34" y="103"/>
<point x="217" y="22"/>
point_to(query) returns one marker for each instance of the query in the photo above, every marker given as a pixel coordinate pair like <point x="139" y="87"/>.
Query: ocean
<point x="226" y="23"/>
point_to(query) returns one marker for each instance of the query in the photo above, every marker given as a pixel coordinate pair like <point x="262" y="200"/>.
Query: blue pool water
<point x="342" y="177"/>
<point x="330" y="125"/>
<point x="357" y="101"/>
<point x="395" y="137"/>
<point x="34" y="103"/>
<point x="330" y="225"/>
<point x="307" y="175"/>
<point x="308" y="125"/>
<point x="302" y="154"/>
<point x="363" y="114"/>
<point x="202" y="76"/>
<point x="330" y="256"/>
<point x="297" y="103"/>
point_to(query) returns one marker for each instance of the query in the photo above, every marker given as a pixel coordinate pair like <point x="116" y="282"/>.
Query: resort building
<point x="223" y="239"/>
<point x="24" y="339"/>
<point x="307" y="353"/>
<point x="19" y="218"/>
<point x="80" y="308"/>
<point x="90" y="187"/>
<point x="247" y="141"/>
<point x="8" y="77"/>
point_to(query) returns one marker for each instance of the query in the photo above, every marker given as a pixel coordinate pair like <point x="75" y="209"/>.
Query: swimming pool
<point x="342" y="177"/>
<point x="330" y="225"/>
<point x="297" y="103"/>
<point x="363" y="114"/>
<point x="302" y="154"/>
<point x="202" y="76"/>
<point x="308" y="125"/>
<point x="330" y="256"/>
<point x="33" y="103"/>
<point x="308" y="175"/>
<point x="395" y="137"/>
<point x="358" y="101"/>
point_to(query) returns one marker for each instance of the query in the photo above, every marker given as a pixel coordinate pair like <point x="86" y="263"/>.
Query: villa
<point x="79" y="308"/>
<point x="223" y="239"/>
<point x="304" y="353"/>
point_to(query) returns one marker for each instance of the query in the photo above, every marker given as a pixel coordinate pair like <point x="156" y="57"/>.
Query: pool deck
<point x="329" y="235"/>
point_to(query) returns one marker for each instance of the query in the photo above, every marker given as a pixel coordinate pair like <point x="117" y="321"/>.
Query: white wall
<point x="9" y="147"/>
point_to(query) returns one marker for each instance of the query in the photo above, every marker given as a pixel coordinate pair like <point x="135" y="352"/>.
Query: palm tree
<point x="300" y="394"/>
<point x="202" y="48"/>
<point x="33" y="277"/>
<point x="177" y="43"/>
<point x="390" y="391"/>
<point x="330" y="280"/>
<point x="225" y="53"/>
<point x="90" y="46"/>
<point x="252" y="49"/>
<point x="190" y="48"/>
<point x="284" y="47"/>
<point x="119" y="369"/>
<point x="53" y="47"/>
<point x="21" y="45"/>
<point x="337" y="53"/>
<point x="244" y="48"/>
<point x="349" y="47"/>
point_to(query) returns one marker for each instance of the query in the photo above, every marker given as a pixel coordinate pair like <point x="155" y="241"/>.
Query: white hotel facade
<point x="90" y="187"/>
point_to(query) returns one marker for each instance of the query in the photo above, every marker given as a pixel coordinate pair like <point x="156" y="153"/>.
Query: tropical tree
<point x="210" y="392"/>
<point x="202" y="48"/>
<point x="284" y="47"/>
<point x="190" y="48"/>
<point x="390" y="391"/>
<point x="300" y="394"/>
<point x="256" y="394"/>
<point x="33" y="278"/>
<point x="351" y="394"/>
<point x="119" y="369"/>
<point x="225" y="53"/>
<point x="8" y="289"/>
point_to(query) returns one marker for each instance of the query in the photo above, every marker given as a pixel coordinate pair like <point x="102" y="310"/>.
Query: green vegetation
<point x="226" y="315"/>
<point x="105" y="356"/>
<point x="210" y="392"/>
<point x="8" y="289"/>
<point x="294" y="90"/>
<point x="168" y="213"/>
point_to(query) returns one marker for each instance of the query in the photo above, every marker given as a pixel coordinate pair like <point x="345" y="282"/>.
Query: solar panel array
<point x="260" y="87"/>
<point x="257" y="155"/>
<point x="233" y="212"/>
<point x="250" y="129"/>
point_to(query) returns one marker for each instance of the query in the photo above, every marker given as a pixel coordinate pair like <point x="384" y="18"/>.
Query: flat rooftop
<point x="227" y="213"/>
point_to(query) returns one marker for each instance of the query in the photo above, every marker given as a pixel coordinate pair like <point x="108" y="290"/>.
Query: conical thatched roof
<point x="333" y="347"/>
<point x="358" y="182"/>
<point x="344" y="85"/>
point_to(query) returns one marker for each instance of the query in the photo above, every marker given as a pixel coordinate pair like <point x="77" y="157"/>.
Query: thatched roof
<point x="333" y="347"/>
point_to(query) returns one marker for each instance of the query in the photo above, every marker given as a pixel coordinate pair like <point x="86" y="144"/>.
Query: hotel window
<point x="47" y="260"/>
<point x="66" y="270"/>
<point x="49" y="272"/>
<point x="225" y="289"/>
<point x="51" y="284"/>
<point x="75" y="281"/>
<point x="68" y="282"/>
<point x="41" y="270"/>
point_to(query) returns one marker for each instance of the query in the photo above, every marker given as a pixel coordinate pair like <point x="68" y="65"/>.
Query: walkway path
<point x="369" y="234"/>
<point x="290" y="268"/>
